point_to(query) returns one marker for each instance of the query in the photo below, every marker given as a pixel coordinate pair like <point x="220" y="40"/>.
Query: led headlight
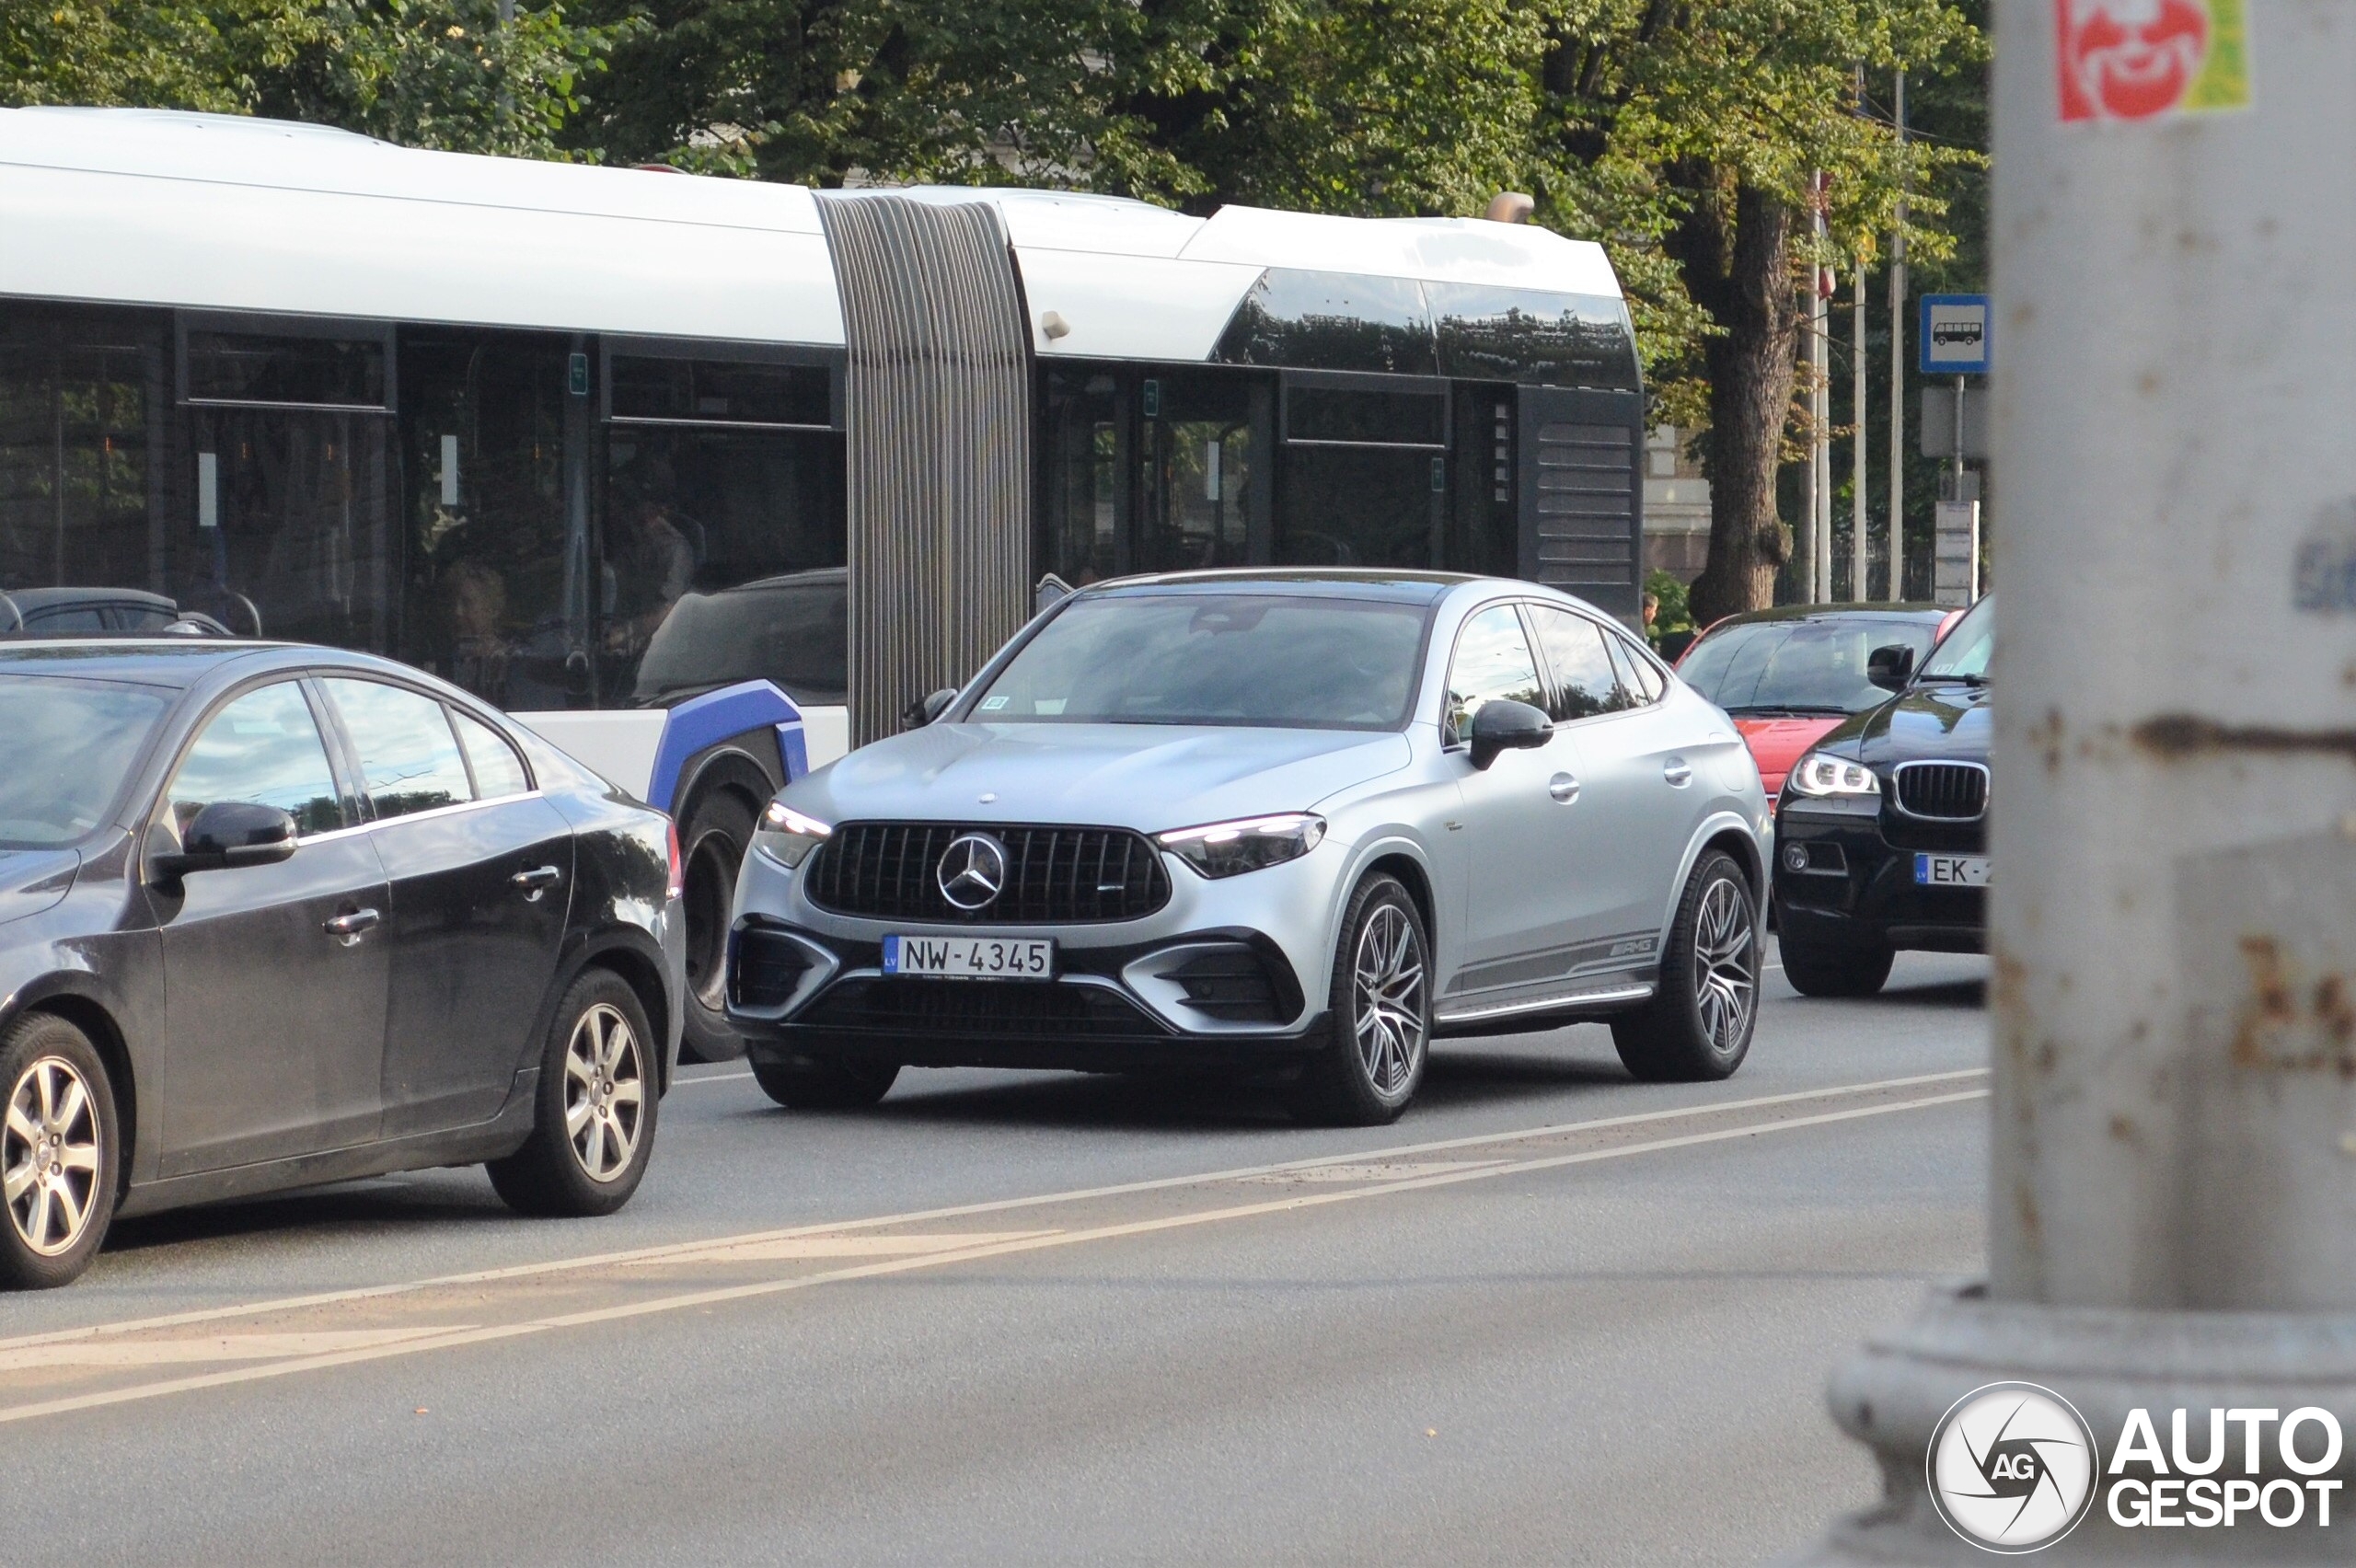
<point x="1230" y="849"/>
<point x="786" y="836"/>
<point x="1820" y="774"/>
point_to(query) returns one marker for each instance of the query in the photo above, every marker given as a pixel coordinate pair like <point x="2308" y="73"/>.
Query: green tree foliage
<point x="1707" y="123"/>
<point x="449" y="73"/>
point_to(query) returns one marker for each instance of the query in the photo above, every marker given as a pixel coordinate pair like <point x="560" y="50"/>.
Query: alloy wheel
<point x="1389" y="971"/>
<point x="605" y="1093"/>
<point x="49" y="1156"/>
<point x="1725" y="979"/>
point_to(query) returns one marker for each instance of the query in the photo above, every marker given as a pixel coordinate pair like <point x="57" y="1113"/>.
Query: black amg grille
<point x="886" y="871"/>
<point x="1945" y="791"/>
<point x="767" y="968"/>
<point x="1002" y="1009"/>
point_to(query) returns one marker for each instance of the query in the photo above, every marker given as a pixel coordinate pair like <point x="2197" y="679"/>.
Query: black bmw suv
<point x="1881" y="830"/>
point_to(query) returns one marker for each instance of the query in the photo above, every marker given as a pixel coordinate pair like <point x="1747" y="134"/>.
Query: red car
<point x="1787" y="675"/>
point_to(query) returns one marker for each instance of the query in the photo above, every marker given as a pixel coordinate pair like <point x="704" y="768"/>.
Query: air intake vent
<point x="1054" y="875"/>
<point x="1943" y="792"/>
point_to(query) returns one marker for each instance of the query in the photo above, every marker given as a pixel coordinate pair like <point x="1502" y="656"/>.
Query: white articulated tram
<point x="634" y="455"/>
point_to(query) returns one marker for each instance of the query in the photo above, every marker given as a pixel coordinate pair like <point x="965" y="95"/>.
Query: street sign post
<point x="1954" y="335"/>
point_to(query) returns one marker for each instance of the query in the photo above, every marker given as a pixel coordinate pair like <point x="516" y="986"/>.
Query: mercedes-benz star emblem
<point x="972" y="870"/>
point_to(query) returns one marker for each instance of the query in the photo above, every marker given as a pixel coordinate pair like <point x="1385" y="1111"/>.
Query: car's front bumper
<point x="1226" y="973"/>
<point x="1860" y="892"/>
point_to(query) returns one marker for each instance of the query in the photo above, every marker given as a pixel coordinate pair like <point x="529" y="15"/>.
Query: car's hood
<point x="1149" y="777"/>
<point x="32" y="880"/>
<point x="1947" y="719"/>
<point x="1776" y="743"/>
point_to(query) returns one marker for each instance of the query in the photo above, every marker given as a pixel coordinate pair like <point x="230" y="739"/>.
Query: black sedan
<point x="1881" y="830"/>
<point x="275" y="916"/>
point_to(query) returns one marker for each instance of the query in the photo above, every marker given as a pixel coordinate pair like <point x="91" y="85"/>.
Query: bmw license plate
<point x="1951" y="870"/>
<point x="971" y="958"/>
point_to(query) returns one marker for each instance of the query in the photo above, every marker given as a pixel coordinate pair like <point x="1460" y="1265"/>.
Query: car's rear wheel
<point x="1827" y="969"/>
<point x="597" y="1094"/>
<point x="816" y="1078"/>
<point x="711" y="852"/>
<point x="58" y="1152"/>
<point x="1381" y="1012"/>
<point x="1699" y="1023"/>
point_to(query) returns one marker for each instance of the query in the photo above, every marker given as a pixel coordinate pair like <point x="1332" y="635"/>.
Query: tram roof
<point x="218" y="211"/>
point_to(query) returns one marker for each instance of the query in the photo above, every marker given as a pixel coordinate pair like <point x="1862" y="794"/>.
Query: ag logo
<point x="2012" y="1468"/>
<point x="972" y="870"/>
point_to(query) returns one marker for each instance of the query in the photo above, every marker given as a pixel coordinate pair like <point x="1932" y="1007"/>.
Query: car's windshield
<point x="792" y="632"/>
<point x="1964" y="655"/>
<point x="1256" y="659"/>
<point x="1798" y="666"/>
<point x="71" y="742"/>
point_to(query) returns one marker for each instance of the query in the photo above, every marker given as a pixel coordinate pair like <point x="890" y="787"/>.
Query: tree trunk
<point x="1742" y="276"/>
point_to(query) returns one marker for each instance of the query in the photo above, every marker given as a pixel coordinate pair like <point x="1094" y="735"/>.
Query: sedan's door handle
<point x="349" y="926"/>
<point x="537" y="878"/>
<point x="1564" y="788"/>
<point x="1677" y="772"/>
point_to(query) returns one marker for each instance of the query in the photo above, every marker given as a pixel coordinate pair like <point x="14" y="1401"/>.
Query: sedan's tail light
<point x="678" y="883"/>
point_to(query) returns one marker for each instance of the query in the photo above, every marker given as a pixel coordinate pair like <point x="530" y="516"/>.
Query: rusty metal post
<point x="2172" y="1218"/>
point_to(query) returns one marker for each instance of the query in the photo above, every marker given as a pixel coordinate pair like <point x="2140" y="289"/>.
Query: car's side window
<point x="497" y="770"/>
<point x="1584" y="682"/>
<point x="408" y="757"/>
<point x="263" y="749"/>
<point x="1638" y="676"/>
<point x="1493" y="662"/>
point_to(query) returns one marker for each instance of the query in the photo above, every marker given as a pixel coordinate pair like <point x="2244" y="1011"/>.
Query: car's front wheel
<point x="820" y="1079"/>
<point x="713" y="839"/>
<point x="1831" y="969"/>
<point x="58" y="1152"/>
<point x="1381" y="1012"/>
<point x="598" y="1090"/>
<point x="1699" y="1023"/>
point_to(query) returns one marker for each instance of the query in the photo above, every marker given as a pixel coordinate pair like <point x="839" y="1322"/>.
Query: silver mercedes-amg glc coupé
<point x="1292" y="823"/>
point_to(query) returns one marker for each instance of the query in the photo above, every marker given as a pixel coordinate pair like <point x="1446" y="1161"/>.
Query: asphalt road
<point x="1046" y="1318"/>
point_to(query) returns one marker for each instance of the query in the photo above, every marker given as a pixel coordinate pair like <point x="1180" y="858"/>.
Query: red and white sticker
<point x="2150" y="59"/>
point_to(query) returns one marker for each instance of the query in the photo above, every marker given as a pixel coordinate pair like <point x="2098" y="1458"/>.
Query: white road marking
<point x="796" y="1247"/>
<point x="709" y="1077"/>
<point x="209" y="1347"/>
<point x="1023" y="1243"/>
<point x="960" y="1211"/>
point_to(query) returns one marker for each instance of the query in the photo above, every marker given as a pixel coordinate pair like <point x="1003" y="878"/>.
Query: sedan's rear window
<point x="1264" y="660"/>
<point x="71" y="743"/>
<point x="1798" y="666"/>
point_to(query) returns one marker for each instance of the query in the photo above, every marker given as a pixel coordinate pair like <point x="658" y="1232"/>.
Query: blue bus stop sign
<point x="1954" y="335"/>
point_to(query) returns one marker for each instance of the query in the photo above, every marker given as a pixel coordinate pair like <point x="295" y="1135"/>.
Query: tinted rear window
<point x="1252" y="659"/>
<point x="71" y="746"/>
<point x="1798" y="666"/>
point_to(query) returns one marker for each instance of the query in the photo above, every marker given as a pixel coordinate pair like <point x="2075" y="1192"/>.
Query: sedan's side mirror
<point x="919" y="714"/>
<point x="227" y="834"/>
<point x="1891" y="668"/>
<point x="1502" y="726"/>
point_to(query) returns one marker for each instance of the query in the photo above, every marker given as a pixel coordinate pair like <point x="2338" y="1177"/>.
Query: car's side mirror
<point x="919" y="714"/>
<point x="228" y="833"/>
<point x="1502" y="726"/>
<point x="1891" y="668"/>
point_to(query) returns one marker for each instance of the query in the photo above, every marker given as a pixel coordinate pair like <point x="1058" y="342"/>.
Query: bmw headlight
<point x="1230" y="849"/>
<point x="1820" y="774"/>
<point x="786" y="836"/>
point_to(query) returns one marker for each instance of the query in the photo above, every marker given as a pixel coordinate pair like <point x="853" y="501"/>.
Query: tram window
<point x="1197" y="457"/>
<point x="1534" y="335"/>
<point x="1355" y="506"/>
<point x="81" y="405"/>
<point x="694" y="512"/>
<point x="1331" y="321"/>
<point x="1085" y="498"/>
<point x="720" y="391"/>
<point x="1366" y="417"/>
<point x="486" y="539"/>
<point x="255" y="367"/>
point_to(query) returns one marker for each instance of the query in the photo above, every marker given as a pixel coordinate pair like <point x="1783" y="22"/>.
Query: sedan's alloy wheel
<point x="605" y="1093"/>
<point x="50" y="1155"/>
<point x="1389" y="989"/>
<point x="1725" y="982"/>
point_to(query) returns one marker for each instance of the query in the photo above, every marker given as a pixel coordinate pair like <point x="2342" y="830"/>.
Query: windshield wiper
<point x="1968" y="680"/>
<point x="1796" y="709"/>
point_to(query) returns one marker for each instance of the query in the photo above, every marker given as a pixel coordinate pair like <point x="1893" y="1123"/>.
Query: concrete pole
<point x="1820" y="313"/>
<point x="1898" y="375"/>
<point x="1858" y="442"/>
<point x="2172" y="1220"/>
